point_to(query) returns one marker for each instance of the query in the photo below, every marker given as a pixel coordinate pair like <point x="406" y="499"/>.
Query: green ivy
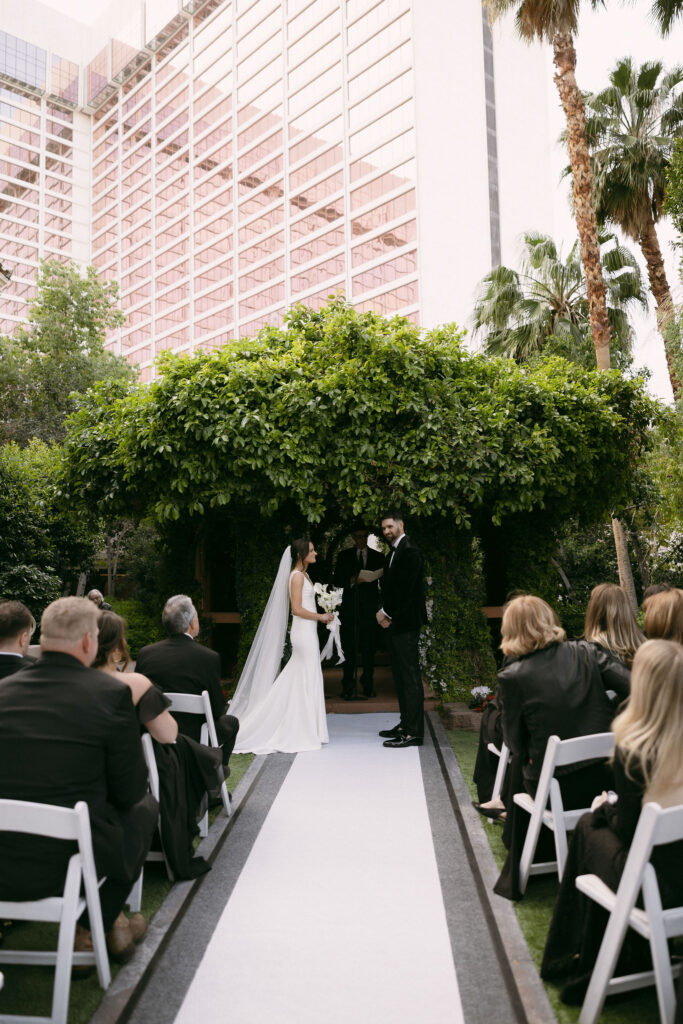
<point x="455" y="646"/>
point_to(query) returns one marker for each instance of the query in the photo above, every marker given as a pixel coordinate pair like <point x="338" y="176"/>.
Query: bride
<point x="284" y="711"/>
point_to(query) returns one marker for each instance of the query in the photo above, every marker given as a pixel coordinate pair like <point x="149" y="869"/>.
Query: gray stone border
<point x="523" y="970"/>
<point x="117" y="999"/>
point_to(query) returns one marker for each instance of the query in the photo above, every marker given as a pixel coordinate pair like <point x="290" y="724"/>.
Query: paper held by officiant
<point x="370" y="575"/>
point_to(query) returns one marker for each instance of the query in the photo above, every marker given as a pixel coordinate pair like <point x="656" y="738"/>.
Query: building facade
<point x="224" y="159"/>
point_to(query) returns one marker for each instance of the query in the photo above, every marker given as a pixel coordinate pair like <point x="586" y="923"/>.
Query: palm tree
<point x="556" y="21"/>
<point x="517" y="312"/>
<point x="666" y="12"/>
<point x="631" y="127"/>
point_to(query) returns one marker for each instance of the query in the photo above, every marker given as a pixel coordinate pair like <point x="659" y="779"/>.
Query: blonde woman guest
<point x="149" y="702"/>
<point x="611" y="624"/>
<point x="549" y="687"/>
<point x="648" y="765"/>
<point x="664" y="616"/>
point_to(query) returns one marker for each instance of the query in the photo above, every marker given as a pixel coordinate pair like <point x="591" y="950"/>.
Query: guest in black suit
<point x="358" y="611"/>
<point x="17" y="626"/>
<point x="403" y="613"/>
<point x="68" y="733"/>
<point x="179" y="665"/>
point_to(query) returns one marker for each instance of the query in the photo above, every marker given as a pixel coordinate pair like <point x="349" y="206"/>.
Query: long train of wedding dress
<point x="291" y="716"/>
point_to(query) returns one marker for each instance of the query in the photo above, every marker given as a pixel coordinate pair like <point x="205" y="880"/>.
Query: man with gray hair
<point x="179" y="665"/>
<point x="97" y="598"/>
<point x="69" y="732"/>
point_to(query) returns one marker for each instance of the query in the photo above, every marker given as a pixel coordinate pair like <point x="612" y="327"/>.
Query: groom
<point x="403" y="613"/>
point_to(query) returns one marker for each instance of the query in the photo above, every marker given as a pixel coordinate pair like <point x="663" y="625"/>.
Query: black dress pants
<point x="139" y="823"/>
<point x="405" y="667"/>
<point x="227" y="727"/>
<point x="358" y="631"/>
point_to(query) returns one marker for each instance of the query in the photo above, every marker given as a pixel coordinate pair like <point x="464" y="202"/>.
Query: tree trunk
<point x="624" y="564"/>
<point x="110" y="558"/>
<point x="641" y="559"/>
<point x="564" y="58"/>
<point x="649" y="243"/>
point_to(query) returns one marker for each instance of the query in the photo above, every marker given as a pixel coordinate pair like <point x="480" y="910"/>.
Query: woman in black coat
<point x="648" y="765"/>
<point x="610" y="626"/>
<point x="549" y="687"/>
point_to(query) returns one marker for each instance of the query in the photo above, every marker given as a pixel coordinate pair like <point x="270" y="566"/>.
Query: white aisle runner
<point x="337" y="915"/>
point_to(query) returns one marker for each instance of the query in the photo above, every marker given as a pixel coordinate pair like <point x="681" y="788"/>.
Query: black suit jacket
<point x="557" y="691"/>
<point x="346" y="568"/>
<point x="67" y="733"/>
<point x="10" y="663"/>
<point x="403" y="597"/>
<point x="181" y="665"/>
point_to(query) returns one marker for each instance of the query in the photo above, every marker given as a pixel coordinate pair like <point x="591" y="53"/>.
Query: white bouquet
<point x="329" y="600"/>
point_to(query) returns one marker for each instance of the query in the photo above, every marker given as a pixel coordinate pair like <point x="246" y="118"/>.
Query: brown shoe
<point x="138" y="927"/>
<point x="82" y="944"/>
<point x="120" y="942"/>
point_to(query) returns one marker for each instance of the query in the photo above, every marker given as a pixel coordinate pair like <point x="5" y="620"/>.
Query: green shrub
<point x="142" y="626"/>
<point x="37" y="588"/>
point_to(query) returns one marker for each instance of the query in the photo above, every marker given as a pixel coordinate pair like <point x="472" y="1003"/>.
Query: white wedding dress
<point x="290" y="715"/>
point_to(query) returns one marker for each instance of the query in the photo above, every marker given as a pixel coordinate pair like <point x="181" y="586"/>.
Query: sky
<point x="623" y="27"/>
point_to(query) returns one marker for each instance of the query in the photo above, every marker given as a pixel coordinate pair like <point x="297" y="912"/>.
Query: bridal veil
<point x="263" y="661"/>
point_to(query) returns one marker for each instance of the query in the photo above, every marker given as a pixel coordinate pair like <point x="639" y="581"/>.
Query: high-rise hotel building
<point x="224" y="159"/>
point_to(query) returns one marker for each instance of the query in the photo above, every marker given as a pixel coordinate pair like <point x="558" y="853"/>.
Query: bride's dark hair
<point x="300" y="549"/>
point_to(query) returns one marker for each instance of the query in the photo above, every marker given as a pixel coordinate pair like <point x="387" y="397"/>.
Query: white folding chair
<point x="655" y="828"/>
<point x="557" y="753"/>
<point x="195" y="704"/>
<point x="503" y="756"/>
<point x="57" y="823"/>
<point x="134" y="899"/>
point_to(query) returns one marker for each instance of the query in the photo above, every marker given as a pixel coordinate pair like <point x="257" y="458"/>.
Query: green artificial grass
<point x="534" y="912"/>
<point x="28" y="990"/>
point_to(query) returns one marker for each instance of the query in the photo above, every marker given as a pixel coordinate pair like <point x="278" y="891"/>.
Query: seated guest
<point x="550" y="686"/>
<point x="610" y="626"/>
<point x="664" y="616"/>
<point x="648" y="766"/>
<point x="654" y="588"/>
<point x="97" y="598"/>
<point x="149" y="702"/>
<point x="610" y="623"/>
<point x="16" y="629"/>
<point x="188" y="771"/>
<point x="179" y="665"/>
<point x="67" y="733"/>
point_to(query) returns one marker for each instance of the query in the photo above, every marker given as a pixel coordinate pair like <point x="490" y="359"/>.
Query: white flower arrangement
<point x="328" y="599"/>
<point x="481" y="692"/>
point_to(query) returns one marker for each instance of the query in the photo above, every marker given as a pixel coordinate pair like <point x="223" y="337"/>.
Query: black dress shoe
<point x="361" y="696"/>
<point x="347" y="696"/>
<point x="489" y="812"/>
<point x="392" y="733"/>
<point x="403" y="741"/>
<point x="370" y="693"/>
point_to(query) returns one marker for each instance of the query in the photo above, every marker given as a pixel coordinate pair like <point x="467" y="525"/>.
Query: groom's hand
<point x="383" y="620"/>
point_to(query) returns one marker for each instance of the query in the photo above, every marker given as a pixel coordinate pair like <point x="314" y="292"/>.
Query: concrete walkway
<point x="349" y="886"/>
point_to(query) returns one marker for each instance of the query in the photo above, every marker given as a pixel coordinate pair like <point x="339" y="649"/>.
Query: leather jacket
<point x="557" y="691"/>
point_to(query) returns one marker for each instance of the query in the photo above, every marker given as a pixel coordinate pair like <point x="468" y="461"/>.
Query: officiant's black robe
<point x="358" y="614"/>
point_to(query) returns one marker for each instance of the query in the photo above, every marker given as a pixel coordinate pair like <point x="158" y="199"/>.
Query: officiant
<point x="354" y="571"/>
